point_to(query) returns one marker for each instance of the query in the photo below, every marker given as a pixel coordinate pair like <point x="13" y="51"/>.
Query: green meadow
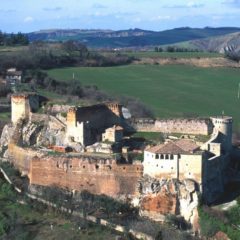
<point x="170" y="91"/>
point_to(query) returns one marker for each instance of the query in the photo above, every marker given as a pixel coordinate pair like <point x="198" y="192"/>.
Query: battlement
<point x="197" y="126"/>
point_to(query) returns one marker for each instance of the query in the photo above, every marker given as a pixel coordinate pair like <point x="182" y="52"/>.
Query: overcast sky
<point x="32" y="15"/>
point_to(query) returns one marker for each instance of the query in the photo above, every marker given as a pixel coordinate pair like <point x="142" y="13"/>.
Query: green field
<point x="153" y="54"/>
<point x="171" y="90"/>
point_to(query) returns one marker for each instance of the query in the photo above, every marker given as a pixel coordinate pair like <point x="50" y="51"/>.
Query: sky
<point x="33" y="15"/>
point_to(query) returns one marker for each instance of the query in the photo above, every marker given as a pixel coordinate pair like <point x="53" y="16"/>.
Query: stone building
<point x="23" y="104"/>
<point x="13" y="76"/>
<point x="113" y="134"/>
<point x="183" y="159"/>
<point x="86" y="125"/>
<point x="174" y="160"/>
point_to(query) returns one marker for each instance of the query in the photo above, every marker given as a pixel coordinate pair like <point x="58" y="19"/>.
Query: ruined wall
<point x="184" y="126"/>
<point x="21" y="157"/>
<point x="98" y="177"/>
<point x="22" y="105"/>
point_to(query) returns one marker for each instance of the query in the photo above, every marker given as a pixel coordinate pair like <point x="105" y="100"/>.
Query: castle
<point x="181" y="159"/>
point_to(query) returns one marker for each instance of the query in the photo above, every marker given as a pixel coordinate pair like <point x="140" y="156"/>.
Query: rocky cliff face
<point x="49" y="131"/>
<point x="159" y="198"/>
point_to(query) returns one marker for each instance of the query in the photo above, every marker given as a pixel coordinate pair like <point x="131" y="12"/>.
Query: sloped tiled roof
<point x="187" y="145"/>
<point x="179" y="147"/>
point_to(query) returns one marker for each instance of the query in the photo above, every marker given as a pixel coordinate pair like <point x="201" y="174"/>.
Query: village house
<point x="13" y="76"/>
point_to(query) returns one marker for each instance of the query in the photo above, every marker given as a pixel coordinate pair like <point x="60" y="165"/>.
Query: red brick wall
<point x="106" y="177"/>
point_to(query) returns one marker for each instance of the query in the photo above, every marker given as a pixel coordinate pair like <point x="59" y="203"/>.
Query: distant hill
<point x="221" y="44"/>
<point x="131" y="37"/>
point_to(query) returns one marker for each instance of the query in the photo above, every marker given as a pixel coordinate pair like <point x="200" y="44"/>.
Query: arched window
<point x="162" y="156"/>
<point x="171" y="156"/>
<point x="167" y="156"/>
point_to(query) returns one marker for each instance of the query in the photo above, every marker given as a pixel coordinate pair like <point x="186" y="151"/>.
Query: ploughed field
<point x="170" y="90"/>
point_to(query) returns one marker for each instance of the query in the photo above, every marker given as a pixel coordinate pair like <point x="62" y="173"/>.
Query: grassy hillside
<point x="131" y="37"/>
<point x="171" y="91"/>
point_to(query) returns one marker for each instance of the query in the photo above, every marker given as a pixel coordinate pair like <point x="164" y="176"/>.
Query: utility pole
<point x="238" y="90"/>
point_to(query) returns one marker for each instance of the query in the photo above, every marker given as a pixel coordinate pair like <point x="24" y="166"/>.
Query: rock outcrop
<point x="159" y="198"/>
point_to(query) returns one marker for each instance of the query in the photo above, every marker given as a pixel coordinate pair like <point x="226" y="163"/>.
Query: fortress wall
<point x="98" y="177"/>
<point x="20" y="157"/>
<point x="184" y="126"/>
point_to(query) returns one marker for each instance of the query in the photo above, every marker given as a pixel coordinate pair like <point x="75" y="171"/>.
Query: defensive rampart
<point x="96" y="176"/>
<point x="184" y="126"/>
<point x="21" y="157"/>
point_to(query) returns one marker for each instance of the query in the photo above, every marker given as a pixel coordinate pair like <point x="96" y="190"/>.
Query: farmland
<point x="170" y="90"/>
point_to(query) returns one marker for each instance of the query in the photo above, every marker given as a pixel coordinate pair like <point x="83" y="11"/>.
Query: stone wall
<point x="96" y="176"/>
<point x="22" y="105"/>
<point x="21" y="157"/>
<point x="184" y="126"/>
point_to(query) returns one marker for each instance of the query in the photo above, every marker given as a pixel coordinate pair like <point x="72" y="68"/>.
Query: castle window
<point x="70" y="166"/>
<point x="167" y="156"/>
<point x="96" y="166"/>
<point x="83" y="166"/>
<point x="162" y="156"/>
<point x="171" y="156"/>
<point x="157" y="156"/>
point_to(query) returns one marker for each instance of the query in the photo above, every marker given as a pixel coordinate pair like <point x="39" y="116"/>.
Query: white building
<point x="180" y="159"/>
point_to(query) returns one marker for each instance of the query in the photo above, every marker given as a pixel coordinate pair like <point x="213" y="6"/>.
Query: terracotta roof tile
<point x="187" y="145"/>
<point x="168" y="148"/>
<point x="179" y="147"/>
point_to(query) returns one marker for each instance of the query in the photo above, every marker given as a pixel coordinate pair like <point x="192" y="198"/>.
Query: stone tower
<point x="116" y="108"/>
<point x="223" y="127"/>
<point x="72" y="117"/>
<point x="77" y="131"/>
<point x="22" y="105"/>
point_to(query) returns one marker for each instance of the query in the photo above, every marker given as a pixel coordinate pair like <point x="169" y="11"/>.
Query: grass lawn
<point x="171" y="90"/>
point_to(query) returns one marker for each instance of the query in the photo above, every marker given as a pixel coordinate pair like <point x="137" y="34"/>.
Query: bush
<point x="4" y="90"/>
